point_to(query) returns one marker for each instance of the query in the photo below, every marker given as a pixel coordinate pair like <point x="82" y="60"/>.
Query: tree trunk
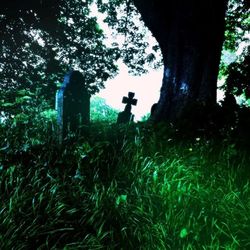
<point x="190" y="35"/>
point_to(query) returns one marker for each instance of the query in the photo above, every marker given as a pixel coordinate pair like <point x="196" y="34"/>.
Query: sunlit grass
<point x="123" y="187"/>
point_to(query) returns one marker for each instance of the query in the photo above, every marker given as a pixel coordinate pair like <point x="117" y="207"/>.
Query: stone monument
<point x="126" y="116"/>
<point x="72" y="104"/>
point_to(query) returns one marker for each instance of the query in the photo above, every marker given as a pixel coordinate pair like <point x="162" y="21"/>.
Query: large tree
<point x="42" y="40"/>
<point x="190" y="35"/>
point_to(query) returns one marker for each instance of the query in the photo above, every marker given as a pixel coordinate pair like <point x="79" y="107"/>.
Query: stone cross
<point x="72" y="104"/>
<point x="126" y="115"/>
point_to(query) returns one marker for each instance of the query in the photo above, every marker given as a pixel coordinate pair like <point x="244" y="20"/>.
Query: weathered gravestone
<point x="153" y="111"/>
<point x="72" y="104"/>
<point x="126" y="115"/>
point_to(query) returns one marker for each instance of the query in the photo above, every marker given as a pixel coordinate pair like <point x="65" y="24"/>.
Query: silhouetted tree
<point x="190" y="35"/>
<point x="42" y="40"/>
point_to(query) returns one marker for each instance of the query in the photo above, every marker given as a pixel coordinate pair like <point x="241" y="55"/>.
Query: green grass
<point x="130" y="187"/>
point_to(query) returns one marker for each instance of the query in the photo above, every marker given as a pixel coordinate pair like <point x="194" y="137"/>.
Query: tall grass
<point x="123" y="187"/>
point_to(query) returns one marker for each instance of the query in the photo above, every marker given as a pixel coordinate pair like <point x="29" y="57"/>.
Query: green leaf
<point x="23" y="99"/>
<point x="21" y="118"/>
<point x="49" y="114"/>
<point x="121" y="199"/>
<point x="183" y="233"/>
<point x="155" y="176"/>
<point x="24" y="92"/>
<point x="98" y="28"/>
<point x="7" y="104"/>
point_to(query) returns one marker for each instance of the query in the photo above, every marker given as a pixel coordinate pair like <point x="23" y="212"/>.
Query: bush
<point x="100" y="111"/>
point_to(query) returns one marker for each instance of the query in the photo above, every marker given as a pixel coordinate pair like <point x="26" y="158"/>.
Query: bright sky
<point x="146" y="89"/>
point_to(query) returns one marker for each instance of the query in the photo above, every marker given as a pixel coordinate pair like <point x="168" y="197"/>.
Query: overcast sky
<point x="145" y="87"/>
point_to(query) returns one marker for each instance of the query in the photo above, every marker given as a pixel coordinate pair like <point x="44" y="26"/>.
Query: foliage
<point x="146" y="117"/>
<point x="27" y="118"/>
<point x="238" y="76"/>
<point x="111" y="187"/>
<point x="237" y="23"/>
<point x="236" y="71"/>
<point x="37" y="50"/>
<point x="41" y="40"/>
<point x="121" y="187"/>
<point x="137" y="50"/>
<point x="101" y="112"/>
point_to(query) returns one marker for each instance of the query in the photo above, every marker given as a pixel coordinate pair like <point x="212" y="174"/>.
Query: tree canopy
<point x="41" y="40"/>
<point x="236" y="35"/>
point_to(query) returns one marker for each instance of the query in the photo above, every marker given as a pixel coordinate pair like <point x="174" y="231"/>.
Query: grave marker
<point x="126" y="115"/>
<point x="72" y="104"/>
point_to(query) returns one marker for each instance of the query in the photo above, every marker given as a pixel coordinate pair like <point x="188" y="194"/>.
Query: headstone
<point x="126" y="116"/>
<point x="153" y="110"/>
<point x="72" y="104"/>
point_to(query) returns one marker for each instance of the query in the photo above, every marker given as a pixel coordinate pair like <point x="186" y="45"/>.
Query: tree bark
<point x="190" y="35"/>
